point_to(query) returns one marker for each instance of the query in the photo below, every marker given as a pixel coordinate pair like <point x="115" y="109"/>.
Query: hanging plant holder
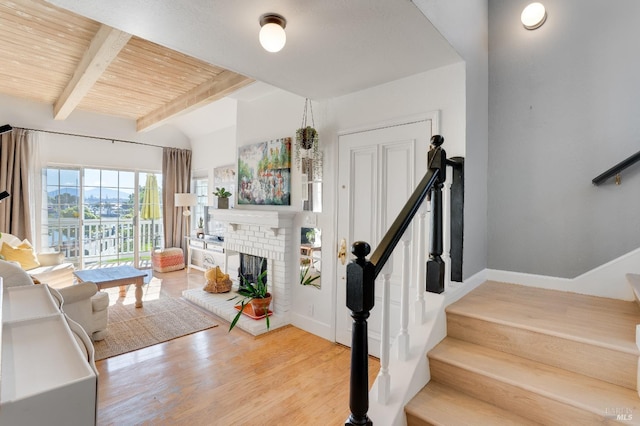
<point x="307" y="137"/>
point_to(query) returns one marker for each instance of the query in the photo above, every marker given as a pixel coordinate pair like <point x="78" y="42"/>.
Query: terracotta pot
<point x="261" y="306"/>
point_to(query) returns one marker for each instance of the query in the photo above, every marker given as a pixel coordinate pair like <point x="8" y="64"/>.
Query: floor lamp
<point x="186" y="200"/>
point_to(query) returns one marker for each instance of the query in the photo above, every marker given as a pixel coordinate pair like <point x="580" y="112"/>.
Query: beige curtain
<point x="176" y="178"/>
<point x="15" y="216"/>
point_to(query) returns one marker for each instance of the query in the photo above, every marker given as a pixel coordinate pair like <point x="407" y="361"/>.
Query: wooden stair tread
<point x="440" y="404"/>
<point x="596" y="320"/>
<point x="570" y="388"/>
<point x="620" y="368"/>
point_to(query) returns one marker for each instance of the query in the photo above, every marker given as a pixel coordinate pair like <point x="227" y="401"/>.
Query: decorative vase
<point x="261" y="306"/>
<point x="223" y="203"/>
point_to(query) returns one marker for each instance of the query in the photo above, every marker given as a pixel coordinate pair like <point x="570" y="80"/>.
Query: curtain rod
<point x="92" y="137"/>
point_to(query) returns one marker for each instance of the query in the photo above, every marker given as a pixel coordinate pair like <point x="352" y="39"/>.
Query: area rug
<point x="157" y="321"/>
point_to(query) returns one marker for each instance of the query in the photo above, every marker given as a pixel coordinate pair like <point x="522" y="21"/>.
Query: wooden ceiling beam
<point x="222" y="85"/>
<point x="105" y="46"/>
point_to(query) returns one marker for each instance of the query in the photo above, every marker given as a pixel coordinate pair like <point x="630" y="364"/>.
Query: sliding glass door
<point x="62" y="219"/>
<point x="119" y="224"/>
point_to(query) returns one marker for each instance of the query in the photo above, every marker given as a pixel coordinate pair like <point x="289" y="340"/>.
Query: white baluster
<point x="384" y="379"/>
<point x="403" y="335"/>
<point x="421" y="261"/>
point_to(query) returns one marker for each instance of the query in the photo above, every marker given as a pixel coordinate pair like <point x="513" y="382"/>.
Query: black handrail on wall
<point x="361" y="273"/>
<point x="616" y="169"/>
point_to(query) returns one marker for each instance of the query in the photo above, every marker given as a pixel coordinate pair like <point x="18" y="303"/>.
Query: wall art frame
<point x="264" y="173"/>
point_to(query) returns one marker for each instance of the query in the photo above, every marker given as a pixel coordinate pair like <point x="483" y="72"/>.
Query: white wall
<point x="438" y="90"/>
<point x="213" y="150"/>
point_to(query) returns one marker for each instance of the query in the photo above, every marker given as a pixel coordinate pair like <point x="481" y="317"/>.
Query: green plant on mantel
<point x="221" y="192"/>
<point x="250" y="292"/>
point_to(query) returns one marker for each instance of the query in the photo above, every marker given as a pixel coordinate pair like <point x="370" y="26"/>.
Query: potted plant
<point x="223" y="197"/>
<point x="306" y="137"/>
<point x="306" y="146"/>
<point x="255" y="294"/>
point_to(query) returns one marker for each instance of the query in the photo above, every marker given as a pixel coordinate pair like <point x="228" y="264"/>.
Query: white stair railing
<point x="410" y="278"/>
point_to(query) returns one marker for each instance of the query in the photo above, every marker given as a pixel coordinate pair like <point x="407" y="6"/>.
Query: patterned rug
<point x="157" y="321"/>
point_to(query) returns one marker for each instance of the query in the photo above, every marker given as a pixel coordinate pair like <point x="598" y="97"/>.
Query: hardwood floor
<point x="286" y="377"/>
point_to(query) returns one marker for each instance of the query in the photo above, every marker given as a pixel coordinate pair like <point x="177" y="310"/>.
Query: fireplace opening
<point x="250" y="268"/>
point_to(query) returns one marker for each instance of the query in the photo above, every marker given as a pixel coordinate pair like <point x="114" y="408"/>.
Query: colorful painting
<point x="264" y="173"/>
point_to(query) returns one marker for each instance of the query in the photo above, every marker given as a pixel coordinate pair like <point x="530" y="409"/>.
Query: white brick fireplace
<point x="267" y="234"/>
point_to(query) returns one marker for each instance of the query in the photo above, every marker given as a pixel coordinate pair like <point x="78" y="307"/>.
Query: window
<point x="109" y="199"/>
<point x="61" y="222"/>
<point x="107" y="231"/>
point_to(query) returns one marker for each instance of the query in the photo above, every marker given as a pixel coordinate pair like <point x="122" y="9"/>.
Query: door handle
<point x="342" y="251"/>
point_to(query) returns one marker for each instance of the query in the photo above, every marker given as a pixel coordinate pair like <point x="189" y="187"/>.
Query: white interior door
<point x="379" y="170"/>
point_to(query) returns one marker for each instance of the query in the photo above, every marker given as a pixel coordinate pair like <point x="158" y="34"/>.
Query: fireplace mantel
<point x="268" y="218"/>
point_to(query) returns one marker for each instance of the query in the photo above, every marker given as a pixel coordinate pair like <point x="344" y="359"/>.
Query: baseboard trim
<point x="605" y="281"/>
<point x="312" y="326"/>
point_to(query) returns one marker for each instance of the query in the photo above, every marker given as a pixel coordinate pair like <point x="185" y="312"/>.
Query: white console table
<point x="203" y="254"/>
<point x="47" y="370"/>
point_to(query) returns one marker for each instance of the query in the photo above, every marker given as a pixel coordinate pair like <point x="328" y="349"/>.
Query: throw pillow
<point x="23" y="254"/>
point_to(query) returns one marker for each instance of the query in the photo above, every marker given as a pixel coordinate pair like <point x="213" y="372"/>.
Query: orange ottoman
<point x="167" y="260"/>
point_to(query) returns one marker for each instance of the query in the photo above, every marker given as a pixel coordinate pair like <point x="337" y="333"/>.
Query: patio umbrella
<point x="151" y="203"/>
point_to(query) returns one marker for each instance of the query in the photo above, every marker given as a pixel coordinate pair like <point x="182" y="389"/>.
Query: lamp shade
<point x="185" y="199"/>
<point x="272" y="36"/>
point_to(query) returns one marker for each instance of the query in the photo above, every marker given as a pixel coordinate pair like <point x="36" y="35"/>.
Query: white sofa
<point x="52" y="270"/>
<point x="83" y="303"/>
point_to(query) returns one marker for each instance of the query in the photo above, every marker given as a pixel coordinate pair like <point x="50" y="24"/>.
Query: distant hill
<point x="71" y="191"/>
<point x="93" y="194"/>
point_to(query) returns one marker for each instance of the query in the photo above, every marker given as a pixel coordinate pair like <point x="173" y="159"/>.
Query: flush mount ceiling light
<point x="533" y="16"/>
<point x="272" y="35"/>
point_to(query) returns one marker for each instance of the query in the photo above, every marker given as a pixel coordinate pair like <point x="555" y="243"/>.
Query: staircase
<point x="521" y="355"/>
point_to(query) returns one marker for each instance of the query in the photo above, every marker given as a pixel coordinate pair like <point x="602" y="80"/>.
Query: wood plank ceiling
<point x="53" y="56"/>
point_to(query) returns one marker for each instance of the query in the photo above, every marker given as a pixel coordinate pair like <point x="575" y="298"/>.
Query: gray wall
<point x="564" y="105"/>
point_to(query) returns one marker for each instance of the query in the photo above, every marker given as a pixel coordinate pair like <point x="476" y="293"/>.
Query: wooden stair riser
<point x="583" y="358"/>
<point x="511" y="397"/>
<point x="413" y="420"/>
<point x="437" y="402"/>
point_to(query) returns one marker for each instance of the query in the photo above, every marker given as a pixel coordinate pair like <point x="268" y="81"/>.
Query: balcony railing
<point x="107" y="240"/>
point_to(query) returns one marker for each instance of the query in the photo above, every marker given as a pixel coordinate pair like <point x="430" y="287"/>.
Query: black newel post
<point x="360" y="300"/>
<point x="437" y="159"/>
